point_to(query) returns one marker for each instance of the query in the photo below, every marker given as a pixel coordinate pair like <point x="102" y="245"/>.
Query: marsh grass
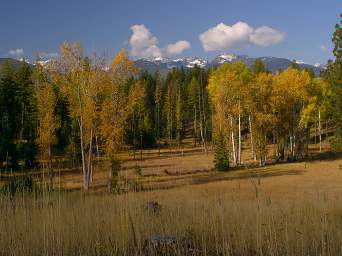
<point x="203" y="223"/>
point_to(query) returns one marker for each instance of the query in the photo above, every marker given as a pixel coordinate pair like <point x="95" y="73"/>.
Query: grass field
<point x="190" y="209"/>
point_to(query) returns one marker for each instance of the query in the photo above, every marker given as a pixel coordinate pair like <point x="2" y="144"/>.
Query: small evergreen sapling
<point x="221" y="153"/>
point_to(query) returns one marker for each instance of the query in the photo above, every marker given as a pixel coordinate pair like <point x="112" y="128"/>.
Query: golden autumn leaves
<point x="99" y="98"/>
<point x="280" y="106"/>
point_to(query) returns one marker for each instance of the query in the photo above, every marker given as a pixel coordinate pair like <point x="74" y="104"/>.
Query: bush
<point x="221" y="153"/>
<point x="115" y="166"/>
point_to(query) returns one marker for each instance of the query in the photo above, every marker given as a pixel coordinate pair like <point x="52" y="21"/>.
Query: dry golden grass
<point x="170" y="169"/>
<point x="285" y="209"/>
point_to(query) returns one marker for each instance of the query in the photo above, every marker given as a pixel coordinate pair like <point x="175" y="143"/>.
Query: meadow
<point x="283" y="209"/>
<point x="112" y="160"/>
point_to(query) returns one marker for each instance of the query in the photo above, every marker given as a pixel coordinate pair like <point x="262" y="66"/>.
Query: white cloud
<point x="323" y="47"/>
<point x="144" y="45"/>
<point x="178" y="47"/>
<point x="265" y="36"/>
<point x="225" y="37"/>
<point x="222" y="36"/>
<point x="19" y="52"/>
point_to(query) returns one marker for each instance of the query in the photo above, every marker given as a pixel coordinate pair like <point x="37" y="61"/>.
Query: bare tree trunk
<point x="204" y="118"/>
<point x="133" y="128"/>
<point x="315" y="132"/>
<point x="290" y="136"/>
<point x="201" y="124"/>
<point x="158" y="130"/>
<point x="233" y="140"/>
<point x="251" y="134"/>
<point x="83" y="155"/>
<point x="97" y="148"/>
<point x="265" y="152"/>
<point x="170" y="131"/>
<point x="50" y="188"/>
<point x="202" y="137"/>
<point x="80" y="122"/>
<point x="274" y="144"/>
<point x="319" y="131"/>
<point x="90" y="155"/>
<point x="239" y="152"/>
<point x="294" y="152"/>
<point x="141" y="145"/>
<point x="195" y="125"/>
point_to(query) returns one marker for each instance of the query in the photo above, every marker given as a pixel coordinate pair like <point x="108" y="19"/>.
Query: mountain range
<point x="163" y="65"/>
<point x="272" y="64"/>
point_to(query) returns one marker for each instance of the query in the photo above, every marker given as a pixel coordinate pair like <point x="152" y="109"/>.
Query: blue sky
<point x="293" y="29"/>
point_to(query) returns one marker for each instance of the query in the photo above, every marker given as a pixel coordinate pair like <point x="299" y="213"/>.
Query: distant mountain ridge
<point x="272" y="64"/>
<point x="163" y="65"/>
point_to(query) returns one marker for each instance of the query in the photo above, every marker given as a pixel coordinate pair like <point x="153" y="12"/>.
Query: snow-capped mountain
<point x="44" y="63"/>
<point x="299" y="62"/>
<point x="272" y="64"/>
<point x="162" y="64"/>
<point x="322" y="66"/>
<point x="220" y="59"/>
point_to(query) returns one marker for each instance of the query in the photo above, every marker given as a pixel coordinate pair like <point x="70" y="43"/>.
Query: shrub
<point x="115" y="166"/>
<point x="221" y="153"/>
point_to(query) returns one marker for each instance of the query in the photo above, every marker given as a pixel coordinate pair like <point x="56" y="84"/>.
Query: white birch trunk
<point x="233" y="139"/>
<point x="251" y="134"/>
<point x="82" y="138"/>
<point x="90" y="153"/>
<point x="204" y="120"/>
<point x="201" y="121"/>
<point x="239" y="152"/>
<point x="195" y="125"/>
<point x="319" y="131"/>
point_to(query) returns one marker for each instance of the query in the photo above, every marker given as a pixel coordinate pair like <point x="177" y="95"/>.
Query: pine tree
<point x="10" y="117"/>
<point x="221" y="153"/>
<point x="294" y="65"/>
<point x="158" y="98"/>
<point x="259" y="66"/>
<point x="334" y="78"/>
<point x="28" y="117"/>
<point x="193" y="97"/>
<point x="169" y="112"/>
<point x="179" y="117"/>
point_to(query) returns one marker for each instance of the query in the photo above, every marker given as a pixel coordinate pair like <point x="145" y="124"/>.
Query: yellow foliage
<point x="46" y="104"/>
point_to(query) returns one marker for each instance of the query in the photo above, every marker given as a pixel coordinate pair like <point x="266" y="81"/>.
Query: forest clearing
<point x="176" y="168"/>
<point x="141" y="151"/>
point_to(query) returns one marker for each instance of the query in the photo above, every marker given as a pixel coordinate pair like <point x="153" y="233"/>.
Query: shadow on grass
<point x="326" y="156"/>
<point x="213" y="176"/>
<point x="147" y="156"/>
<point x="242" y="175"/>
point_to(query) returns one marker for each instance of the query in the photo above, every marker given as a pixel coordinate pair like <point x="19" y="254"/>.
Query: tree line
<point x="281" y="109"/>
<point x="82" y="107"/>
